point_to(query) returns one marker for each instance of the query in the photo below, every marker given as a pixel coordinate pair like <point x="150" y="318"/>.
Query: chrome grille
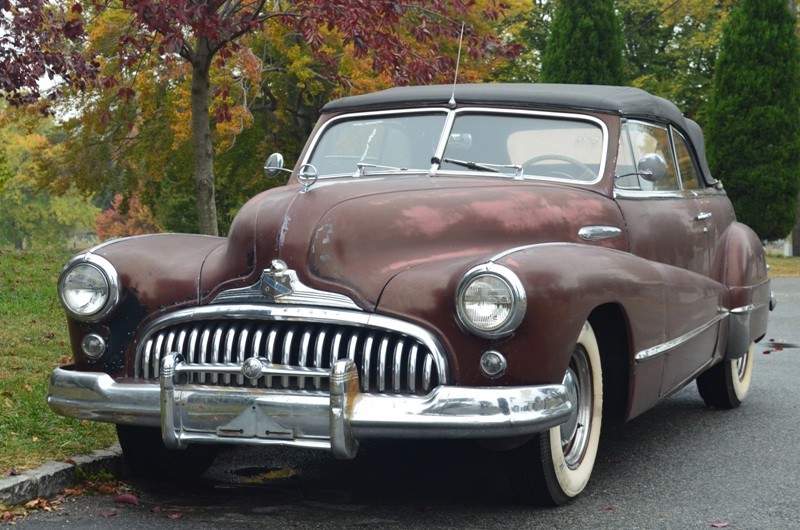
<point x="388" y="361"/>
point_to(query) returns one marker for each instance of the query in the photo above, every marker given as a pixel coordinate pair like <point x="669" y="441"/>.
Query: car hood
<point x="352" y="236"/>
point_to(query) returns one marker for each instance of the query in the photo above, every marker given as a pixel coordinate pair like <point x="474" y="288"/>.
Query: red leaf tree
<point x="40" y="39"/>
<point x="202" y="31"/>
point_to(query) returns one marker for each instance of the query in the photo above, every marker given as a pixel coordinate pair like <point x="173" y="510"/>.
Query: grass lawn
<point x="33" y="340"/>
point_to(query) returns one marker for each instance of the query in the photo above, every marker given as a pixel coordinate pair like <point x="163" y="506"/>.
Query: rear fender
<point x="741" y="265"/>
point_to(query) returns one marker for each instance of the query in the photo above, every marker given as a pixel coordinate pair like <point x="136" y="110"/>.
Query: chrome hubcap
<point x="575" y="431"/>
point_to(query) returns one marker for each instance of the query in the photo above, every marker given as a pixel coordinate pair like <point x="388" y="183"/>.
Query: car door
<point x="669" y="222"/>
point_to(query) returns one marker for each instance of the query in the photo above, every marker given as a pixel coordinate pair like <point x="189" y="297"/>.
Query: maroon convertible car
<point x="513" y="264"/>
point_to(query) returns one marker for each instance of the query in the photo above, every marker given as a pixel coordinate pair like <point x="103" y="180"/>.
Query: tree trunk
<point x="796" y="233"/>
<point x="202" y="147"/>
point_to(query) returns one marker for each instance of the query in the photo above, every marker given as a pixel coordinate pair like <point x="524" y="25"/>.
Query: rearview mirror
<point x="652" y="167"/>
<point x="274" y="165"/>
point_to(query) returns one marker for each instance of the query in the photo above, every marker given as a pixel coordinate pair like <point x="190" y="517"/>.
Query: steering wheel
<point x="586" y="173"/>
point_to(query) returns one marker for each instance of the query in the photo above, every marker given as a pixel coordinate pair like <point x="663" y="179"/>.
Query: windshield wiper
<point x="363" y="165"/>
<point x="481" y="166"/>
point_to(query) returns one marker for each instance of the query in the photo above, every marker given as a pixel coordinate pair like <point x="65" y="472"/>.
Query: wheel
<point x="146" y="455"/>
<point x="555" y="466"/>
<point x="586" y="173"/>
<point x="725" y="385"/>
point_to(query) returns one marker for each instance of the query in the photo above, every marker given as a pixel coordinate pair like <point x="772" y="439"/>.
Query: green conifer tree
<point x="585" y="44"/>
<point x="753" y="130"/>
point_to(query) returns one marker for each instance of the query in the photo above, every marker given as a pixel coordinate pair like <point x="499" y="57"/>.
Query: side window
<point x="690" y="176"/>
<point x="646" y="139"/>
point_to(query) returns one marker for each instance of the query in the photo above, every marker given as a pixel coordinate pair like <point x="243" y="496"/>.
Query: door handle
<point x="702" y="216"/>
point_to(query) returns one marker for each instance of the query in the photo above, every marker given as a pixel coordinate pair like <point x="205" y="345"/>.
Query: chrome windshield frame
<point x="451" y="115"/>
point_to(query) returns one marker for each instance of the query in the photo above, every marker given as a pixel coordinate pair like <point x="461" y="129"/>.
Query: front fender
<point x="564" y="284"/>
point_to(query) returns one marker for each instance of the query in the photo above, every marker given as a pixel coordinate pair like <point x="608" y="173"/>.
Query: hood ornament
<point x="280" y="285"/>
<point x="277" y="280"/>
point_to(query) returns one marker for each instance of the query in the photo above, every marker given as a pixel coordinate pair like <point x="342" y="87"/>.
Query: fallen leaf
<point x="155" y="509"/>
<point x="174" y="515"/>
<point x="108" y="514"/>
<point x="607" y="508"/>
<point x="127" y="498"/>
<point x="107" y="489"/>
<point x="720" y="524"/>
<point x="70" y="462"/>
<point x="27" y="387"/>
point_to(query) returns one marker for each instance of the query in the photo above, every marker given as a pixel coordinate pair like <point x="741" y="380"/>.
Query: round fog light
<point x="93" y="345"/>
<point x="493" y="364"/>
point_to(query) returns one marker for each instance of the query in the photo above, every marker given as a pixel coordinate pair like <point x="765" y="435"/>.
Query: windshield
<point x="518" y="144"/>
<point x="400" y="142"/>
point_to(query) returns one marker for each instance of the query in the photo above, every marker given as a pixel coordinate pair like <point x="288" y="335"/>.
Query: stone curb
<point x="50" y="479"/>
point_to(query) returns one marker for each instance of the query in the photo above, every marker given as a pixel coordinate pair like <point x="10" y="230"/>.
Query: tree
<point x="585" y="44"/>
<point x="35" y="42"/>
<point x="202" y="33"/>
<point x="31" y="215"/>
<point x="753" y="129"/>
<point x="528" y="25"/>
<point x="126" y="217"/>
<point x="670" y="48"/>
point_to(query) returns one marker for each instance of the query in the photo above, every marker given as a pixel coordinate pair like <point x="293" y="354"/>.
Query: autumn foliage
<point x="36" y="38"/>
<point x="126" y="217"/>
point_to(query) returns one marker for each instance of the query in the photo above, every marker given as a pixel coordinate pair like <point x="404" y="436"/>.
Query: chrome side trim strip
<point x="660" y="349"/>
<point x="599" y="233"/>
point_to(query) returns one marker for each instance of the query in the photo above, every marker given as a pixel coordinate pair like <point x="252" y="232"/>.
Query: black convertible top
<point x="625" y="101"/>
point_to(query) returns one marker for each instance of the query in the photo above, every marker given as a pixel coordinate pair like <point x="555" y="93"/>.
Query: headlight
<point x="88" y="287"/>
<point x="490" y="301"/>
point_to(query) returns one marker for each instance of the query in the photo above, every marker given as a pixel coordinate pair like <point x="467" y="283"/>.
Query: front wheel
<point x="147" y="456"/>
<point x="725" y="385"/>
<point x="554" y="467"/>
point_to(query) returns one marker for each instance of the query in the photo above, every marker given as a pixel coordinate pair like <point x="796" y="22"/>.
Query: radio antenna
<point x="452" y="101"/>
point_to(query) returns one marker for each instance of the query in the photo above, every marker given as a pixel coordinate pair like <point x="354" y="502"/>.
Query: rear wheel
<point x="147" y="456"/>
<point x="554" y="467"/>
<point x="725" y="385"/>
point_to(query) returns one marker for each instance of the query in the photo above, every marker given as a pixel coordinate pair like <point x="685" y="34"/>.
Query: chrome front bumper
<point x="255" y="416"/>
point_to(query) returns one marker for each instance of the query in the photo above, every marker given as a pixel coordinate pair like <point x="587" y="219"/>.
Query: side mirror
<point x="274" y="165"/>
<point x="652" y="167"/>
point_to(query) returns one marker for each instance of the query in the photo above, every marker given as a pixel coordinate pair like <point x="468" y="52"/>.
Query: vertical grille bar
<point x="319" y="348"/>
<point x="397" y="372"/>
<point x="384" y="348"/>
<point x="257" y="338"/>
<point x="241" y="351"/>
<point x="412" y="369"/>
<point x="365" y="363"/>
<point x="287" y="353"/>
<point x="305" y="344"/>
<point x="427" y="372"/>
<point x="230" y="339"/>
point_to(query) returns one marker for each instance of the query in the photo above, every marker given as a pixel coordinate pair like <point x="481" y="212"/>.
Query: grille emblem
<point x="276" y="281"/>
<point x="251" y="368"/>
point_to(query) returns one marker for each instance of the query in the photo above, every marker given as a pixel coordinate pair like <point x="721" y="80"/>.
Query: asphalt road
<point x="680" y="465"/>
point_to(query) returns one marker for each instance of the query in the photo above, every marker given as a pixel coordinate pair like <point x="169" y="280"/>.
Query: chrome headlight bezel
<point x="109" y="284"/>
<point x="518" y="301"/>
